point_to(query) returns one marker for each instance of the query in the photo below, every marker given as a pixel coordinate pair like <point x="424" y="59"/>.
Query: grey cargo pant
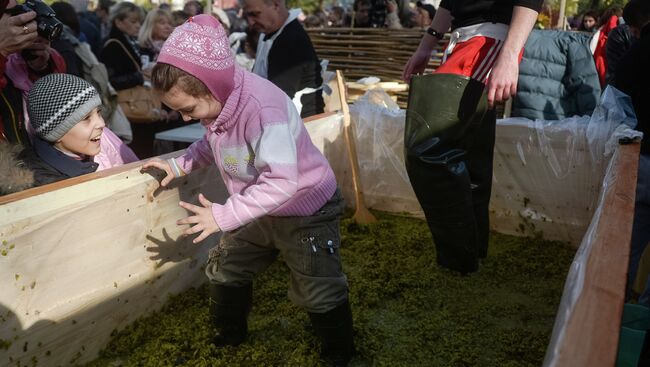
<point x="309" y="247"/>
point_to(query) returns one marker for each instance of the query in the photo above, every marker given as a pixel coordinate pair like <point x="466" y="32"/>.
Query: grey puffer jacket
<point x="557" y="77"/>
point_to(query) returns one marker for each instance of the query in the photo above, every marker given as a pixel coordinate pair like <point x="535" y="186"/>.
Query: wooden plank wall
<point x="89" y="255"/>
<point x="590" y="332"/>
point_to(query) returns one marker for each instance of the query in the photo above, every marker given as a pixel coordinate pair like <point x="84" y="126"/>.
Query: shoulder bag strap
<point x="125" y="50"/>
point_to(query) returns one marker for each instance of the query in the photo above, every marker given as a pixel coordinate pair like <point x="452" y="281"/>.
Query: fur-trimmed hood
<point x="15" y="176"/>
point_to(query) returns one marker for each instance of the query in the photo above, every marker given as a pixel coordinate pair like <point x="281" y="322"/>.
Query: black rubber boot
<point x="443" y="121"/>
<point x="334" y="328"/>
<point x="480" y="163"/>
<point x="229" y="308"/>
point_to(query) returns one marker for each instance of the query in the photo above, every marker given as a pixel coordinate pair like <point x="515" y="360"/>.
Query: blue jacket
<point x="557" y="77"/>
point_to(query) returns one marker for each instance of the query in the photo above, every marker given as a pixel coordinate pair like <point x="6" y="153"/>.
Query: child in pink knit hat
<point x="283" y="193"/>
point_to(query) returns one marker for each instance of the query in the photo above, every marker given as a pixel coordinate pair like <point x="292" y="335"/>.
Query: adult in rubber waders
<point x="450" y="120"/>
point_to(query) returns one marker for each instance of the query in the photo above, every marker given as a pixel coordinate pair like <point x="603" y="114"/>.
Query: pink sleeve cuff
<point x="226" y="219"/>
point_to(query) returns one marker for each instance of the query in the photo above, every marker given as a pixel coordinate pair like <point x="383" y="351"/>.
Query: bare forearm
<point x="503" y="79"/>
<point x="442" y="20"/>
<point x="418" y="62"/>
<point x="523" y="20"/>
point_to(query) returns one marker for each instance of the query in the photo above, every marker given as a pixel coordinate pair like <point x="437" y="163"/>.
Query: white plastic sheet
<point x="612" y="120"/>
<point x="547" y="174"/>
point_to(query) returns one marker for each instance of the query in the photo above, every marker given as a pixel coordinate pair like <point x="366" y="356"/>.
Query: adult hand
<point x="503" y="77"/>
<point x="502" y="83"/>
<point x="17" y="32"/>
<point x="418" y="62"/>
<point x="161" y="165"/>
<point x="202" y="219"/>
<point x="420" y="59"/>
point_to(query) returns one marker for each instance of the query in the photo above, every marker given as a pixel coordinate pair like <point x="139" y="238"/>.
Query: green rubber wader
<point x="449" y="143"/>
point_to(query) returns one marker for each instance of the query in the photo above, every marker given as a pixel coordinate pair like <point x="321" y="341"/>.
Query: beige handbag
<point x="139" y="103"/>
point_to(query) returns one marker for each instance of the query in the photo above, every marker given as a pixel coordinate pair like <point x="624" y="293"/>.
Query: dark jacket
<point x="65" y="44"/>
<point x="12" y="124"/>
<point x="633" y="79"/>
<point x="293" y="65"/>
<point x="619" y="40"/>
<point x="122" y="70"/>
<point x="557" y="77"/>
<point x="89" y="27"/>
<point x="470" y="12"/>
<point x="11" y="115"/>
<point x="50" y="165"/>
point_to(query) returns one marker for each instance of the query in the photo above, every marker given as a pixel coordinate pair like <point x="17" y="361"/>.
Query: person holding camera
<point x="25" y="56"/>
<point x="19" y="31"/>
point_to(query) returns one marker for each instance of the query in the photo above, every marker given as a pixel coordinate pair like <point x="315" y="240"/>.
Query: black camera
<point x="47" y="25"/>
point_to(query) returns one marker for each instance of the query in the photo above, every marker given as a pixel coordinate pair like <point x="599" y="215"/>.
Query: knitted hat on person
<point x="200" y="47"/>
<point x="57" y="102"/>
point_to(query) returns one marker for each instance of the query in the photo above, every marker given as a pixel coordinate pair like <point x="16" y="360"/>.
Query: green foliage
<point x="407" y="310"/>
<point x="307" y="6"/>
<point x="599" y="5"/>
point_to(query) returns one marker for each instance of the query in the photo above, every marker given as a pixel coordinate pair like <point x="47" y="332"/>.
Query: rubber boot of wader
<point x="480" y="163"/>
<point x="229" y="308"/>
<point x="334" y="329"/>
<point x="444" y="116"/>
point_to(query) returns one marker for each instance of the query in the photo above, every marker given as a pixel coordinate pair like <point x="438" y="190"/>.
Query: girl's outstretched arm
<point x="202" y="219"/>
<point x="164" y="166"/>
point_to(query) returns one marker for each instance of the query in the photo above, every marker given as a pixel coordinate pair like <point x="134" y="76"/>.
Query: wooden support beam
<point x="590" y="336"/>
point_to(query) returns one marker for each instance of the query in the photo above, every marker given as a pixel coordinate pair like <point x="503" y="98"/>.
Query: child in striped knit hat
<point x="283" y="193"/>
<point x="70" y="136"/>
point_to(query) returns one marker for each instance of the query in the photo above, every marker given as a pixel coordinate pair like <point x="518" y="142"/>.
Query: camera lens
<point x="49" y="28"/>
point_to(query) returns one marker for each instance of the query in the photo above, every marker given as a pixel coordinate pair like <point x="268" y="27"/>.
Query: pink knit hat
<point x="200" y="47"/>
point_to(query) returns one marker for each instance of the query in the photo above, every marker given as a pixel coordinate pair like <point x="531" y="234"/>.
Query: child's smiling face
<point x="205" y="108"/>
<point x="84" y="137"/>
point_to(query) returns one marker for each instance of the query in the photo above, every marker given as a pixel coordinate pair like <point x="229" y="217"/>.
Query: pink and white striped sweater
<point x="265" y="155"/>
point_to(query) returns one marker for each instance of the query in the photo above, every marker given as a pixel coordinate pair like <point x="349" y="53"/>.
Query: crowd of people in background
<point x="117" y="32"/>
<point x="114" y="45"/>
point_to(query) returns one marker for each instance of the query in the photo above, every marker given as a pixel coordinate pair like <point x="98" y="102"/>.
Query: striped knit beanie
<point x="57" y="102"/>
<point x="200" y="47"/>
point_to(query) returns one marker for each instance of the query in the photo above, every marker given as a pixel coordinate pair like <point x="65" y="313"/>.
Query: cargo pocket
<point x="320" y="248"/>
<point x="212" y="266"/>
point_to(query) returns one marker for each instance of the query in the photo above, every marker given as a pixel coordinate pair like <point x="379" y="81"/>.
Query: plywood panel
<point x="89" y="255"/>
<point x="589" y="320"/>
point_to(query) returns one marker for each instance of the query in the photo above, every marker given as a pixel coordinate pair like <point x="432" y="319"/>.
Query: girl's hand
<point x="203" y="219"/>
<point x="162" y="165"/>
